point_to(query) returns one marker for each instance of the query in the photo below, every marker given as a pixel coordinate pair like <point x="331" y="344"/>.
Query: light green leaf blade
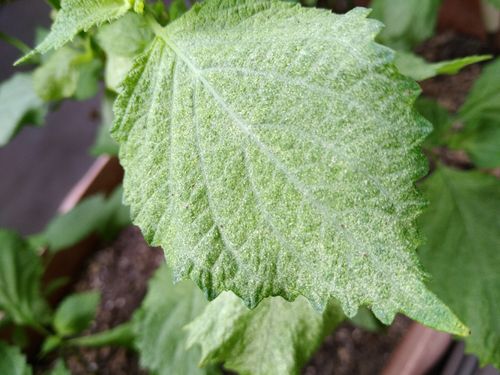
<point x="417" y="68"/>
<point x="59" y="368"/>
<point x="20" y="274"/>
<point x="93" y="214"/>
<point x="76" y="312"/>
<point x="19" y="105"/>
<point x="122" y="40"/>
<point x="12" y="361"/>
<point x="79" y="15"/>
<point x="440" y="119"/>
<point x="462" y="226"/>
<point x="159" y="326"/>
<point x="263" y="168"/>
<point x="277" y="337"/>
<point x="104" y="144"/>
<point x="481" y="117"/>
<point x="407" y="22"/>
<point x="57" y="78"/>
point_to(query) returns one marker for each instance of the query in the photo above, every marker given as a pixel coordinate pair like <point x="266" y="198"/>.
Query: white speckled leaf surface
<point x="271" y="150"/>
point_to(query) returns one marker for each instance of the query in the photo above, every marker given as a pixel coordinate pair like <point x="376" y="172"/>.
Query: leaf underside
<point x="271" y="150"/>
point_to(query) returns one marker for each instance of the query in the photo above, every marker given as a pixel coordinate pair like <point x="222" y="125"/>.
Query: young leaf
<point x="121" y="335"/>
<point x="407" y="22"/>
<point x="277" y="337"/>
<point x="93" y="214"/>
<point x="20" y="274"/>
<point x="77" y="15"/>
<point x="461" y="253"/>
<point x="268" y="158"/>
<point x="57" y="78"/>
<point x="481" y="116"/>
<point x="417" y="68"/>
<point x="159" y="323"/>
<point x="12" y="361"/>
<point x="123" y="40"/>
<point x="104" y="144"/>
<point x="75" y="313"/>
<point x="440" y="119"/>
<point x="59" y="368"/>
<point x="19" y="105"/>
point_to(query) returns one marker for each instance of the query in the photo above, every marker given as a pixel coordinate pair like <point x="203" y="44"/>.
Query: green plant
<point x="272" y="151"/>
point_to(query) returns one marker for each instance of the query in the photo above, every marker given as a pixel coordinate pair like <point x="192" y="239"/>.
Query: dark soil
<point x="121" y="273"/>
<point x="353" y="351"/>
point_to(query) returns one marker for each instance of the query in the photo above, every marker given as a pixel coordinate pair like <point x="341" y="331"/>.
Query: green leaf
<point x="462" y="226"/>
<point x="20" y="274"/>
<point x="79" y="15"/>
<point x="495" y="3"/>
<point x="263" y="168"/>
<point x="158" y="326"/>
<point x="416" y="67"/>
<point x="122" y="40"/>
<point x="277" y="337"/>
<point x="59" y="368"/>
<point x="407" y="22"/>
<point x="367" y="321"/>
<point x="93" y="214"/>
<point x="19" y="105"/>
<point x="104" y="144"/>
<point x="88" y="79"/>
<point x="75" y="313"/>
<point x="481" y="116"/>
<point x="12" y="362"/>
<point x="176" y="9"/>
<point x="122" y="335"/>
<point x="50" y="344"/>
<point x="440" y="119"/>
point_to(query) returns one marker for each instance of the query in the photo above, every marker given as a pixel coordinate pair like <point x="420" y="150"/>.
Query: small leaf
<point x="50" y="344"/>
<point x="20" y="274"/>
<point x="75" y="313"/>
<point x="93" y="214"/>
<point x="104" y="144"/>
<point x="12" y="362"/>
<point x="481" y="117"/>
<point x="417" y="68"/>
<point x="122" y="40"/>
<point x="407" y="22"/>
<point x="462" y="254"/>
<point x="19" y="105"/>
<point x="440" y="119"/>
<point x="59" y="368"/>
<point x="158" y="326"/>
<point x="78" y="15"/>
<point x="122" y="335"/>
<point x="277" y="337"/>
<point x="263" y="168"/>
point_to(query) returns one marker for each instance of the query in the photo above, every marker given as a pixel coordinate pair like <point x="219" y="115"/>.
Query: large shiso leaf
<point x="271" y="150"/>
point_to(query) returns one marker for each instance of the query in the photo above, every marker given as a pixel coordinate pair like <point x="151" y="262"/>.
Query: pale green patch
<point x="59" y="368"/>
<point x="271" y="150"/>
<point x="277" y="337"/>
<point x="80" y="15"/>
<point x="104" y="144"/>
<point x="462" y="254"/>
<point x="159" y="326"/>
<point x="407" y="22"/>
<point x="12" y="361"/>
<point x="481" y="117"/>
<point x="75" y="313"/>
<point x="123" y="40"/>
<point x="19" y="105"/>
<point x="417" y="68"/>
